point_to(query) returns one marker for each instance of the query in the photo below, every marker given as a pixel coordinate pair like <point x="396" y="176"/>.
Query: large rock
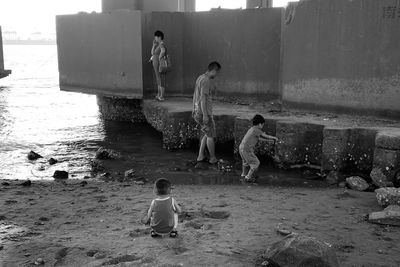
<point x="32" y="155"/>
<point x="388" y="196"/>
<point x="60" y="175"/>
<point x="299" y="251"/>
<point x="357" y="183"/>
<point x="379" y="178"/>
<point x="103" y="153"/>
<point x="389" y="216"/>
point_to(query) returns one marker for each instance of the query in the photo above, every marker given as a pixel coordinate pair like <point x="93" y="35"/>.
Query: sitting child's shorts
<point x="249" y="158"/>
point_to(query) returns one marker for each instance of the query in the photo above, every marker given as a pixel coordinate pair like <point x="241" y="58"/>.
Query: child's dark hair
<point x="159" y="34"/>
<point x="258" y="119"/>
<point x="214" y="66"/>
<point x="163" y="186"/>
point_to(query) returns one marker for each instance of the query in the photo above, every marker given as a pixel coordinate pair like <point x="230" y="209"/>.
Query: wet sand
<point x="97" y="224"/>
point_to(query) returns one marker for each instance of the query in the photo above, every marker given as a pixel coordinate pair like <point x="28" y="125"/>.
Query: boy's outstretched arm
<point x="268" y="137"/>
<point x="176" y="206"/>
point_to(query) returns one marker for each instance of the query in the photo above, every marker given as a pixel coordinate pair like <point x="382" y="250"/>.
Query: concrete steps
<point x="335" y="143"/>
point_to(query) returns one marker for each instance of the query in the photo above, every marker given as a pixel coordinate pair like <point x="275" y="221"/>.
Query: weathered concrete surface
<point x="299" y="142"/>
<point x="342" y="56"/>
<point x="387" y="153"/>
<point x="149" y="5"/>
<point x="258" y="3"/>
<point x="3" y="72"/>
<point x="333" y="144"/>
<point x="247" y="43"/>
<point x="335" y="148"/>
<point x="174" y="119"/>
<point x="101" y="53"/>
<point x="388" y="196"/>
<point x="121" y="109"/>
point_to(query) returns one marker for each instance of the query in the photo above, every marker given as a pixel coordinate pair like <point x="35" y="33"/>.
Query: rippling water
<point x="35" y="114"/>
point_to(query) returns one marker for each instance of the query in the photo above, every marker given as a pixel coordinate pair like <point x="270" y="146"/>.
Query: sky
<point x="28" y="16"/>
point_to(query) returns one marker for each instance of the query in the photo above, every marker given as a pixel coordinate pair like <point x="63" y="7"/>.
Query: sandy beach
<point x="94" y="223"/>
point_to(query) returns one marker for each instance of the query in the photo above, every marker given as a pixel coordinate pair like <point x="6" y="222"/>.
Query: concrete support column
<point x="258" y="3"/>
<point x="111" y="5"/>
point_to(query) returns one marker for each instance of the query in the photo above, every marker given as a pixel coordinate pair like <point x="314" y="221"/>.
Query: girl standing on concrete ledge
<point x="158" y="51"/>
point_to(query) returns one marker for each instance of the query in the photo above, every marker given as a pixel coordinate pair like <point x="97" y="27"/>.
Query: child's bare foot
<point x="154" y="234"/>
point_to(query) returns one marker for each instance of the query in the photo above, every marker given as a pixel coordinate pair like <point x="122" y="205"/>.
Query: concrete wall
<point x="149" y="5"/>
<point x="343" y="55"/>
<point x="1" y="52"/>
<point x="258" y="3"/>
<point x="245" y="42"/>
<point x="101" y="53"/>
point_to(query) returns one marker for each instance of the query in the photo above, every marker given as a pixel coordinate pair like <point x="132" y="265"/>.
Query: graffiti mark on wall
<point x="390" y="12"/>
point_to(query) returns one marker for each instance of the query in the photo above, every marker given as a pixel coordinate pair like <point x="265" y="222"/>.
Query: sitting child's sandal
<point x="173" y="234"/>
<point x="154" y="234"/>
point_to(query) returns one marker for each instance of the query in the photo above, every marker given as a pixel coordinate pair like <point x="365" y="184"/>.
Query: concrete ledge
<point x="299" y="142"/>
<point x="347" y="144"/>
<point x="120" y="109"/>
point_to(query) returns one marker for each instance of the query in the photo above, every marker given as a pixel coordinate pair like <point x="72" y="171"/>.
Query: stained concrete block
<point x="388" y="140"/>
<point x="177" y="127"/>
<point x="361" y="149"/>
<point x="388" y="161"/>
<point x="225" y="125"/>
<point x="120" y="109"/>
<point x="299" y="142"/>
<point x="335" y="148"/>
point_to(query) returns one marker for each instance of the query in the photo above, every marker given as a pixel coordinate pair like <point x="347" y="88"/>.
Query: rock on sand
<point x="357" y="183"/>
<point x="388" y="196"/>
<point x="389" y="216"/>
<point x="297" y="250"/>
<point x="33" y="155"/>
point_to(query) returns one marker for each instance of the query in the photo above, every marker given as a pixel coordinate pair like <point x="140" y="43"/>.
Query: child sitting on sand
<point x="163" y="212"/>
<point x="246" y="148"/>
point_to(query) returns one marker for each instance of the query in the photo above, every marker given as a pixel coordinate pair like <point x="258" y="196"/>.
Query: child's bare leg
<point x="251" y="173"/>
<point x="245" y="168"/>
<point x="175" y="221"/>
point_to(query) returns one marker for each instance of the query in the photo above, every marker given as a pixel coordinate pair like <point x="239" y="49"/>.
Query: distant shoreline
<point x="29" y="42"/>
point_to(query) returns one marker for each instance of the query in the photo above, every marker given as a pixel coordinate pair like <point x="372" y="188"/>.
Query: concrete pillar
<point x="1" y="52"/>
<point x="149" y="5"/>
<point x="258" y="3"/>
<point x="110" y="5"/>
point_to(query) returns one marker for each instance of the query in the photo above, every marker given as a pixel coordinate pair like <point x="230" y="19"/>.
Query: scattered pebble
<point x="39" y="261"/>
<point x="99" y="255"/>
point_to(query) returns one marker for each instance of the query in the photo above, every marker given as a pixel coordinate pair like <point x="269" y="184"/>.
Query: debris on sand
<point x="357" y="183"/>
<point x="33" y="155"/>
<point x="103" y="153"/>
<point x="129" y="173"/>
<point x="389" y="216"/>
<point x="27" y="183"/>
<point x="39" y="261"/>
<point x="388" y="196"/>
<point x="52" y="161"/>
<point x="60" y="175"/>
<point x="281" y="230"/>
<point x="298" y="250"/>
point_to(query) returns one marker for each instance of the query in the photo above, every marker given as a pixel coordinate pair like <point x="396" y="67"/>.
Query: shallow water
<point x="36" y="115"/>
